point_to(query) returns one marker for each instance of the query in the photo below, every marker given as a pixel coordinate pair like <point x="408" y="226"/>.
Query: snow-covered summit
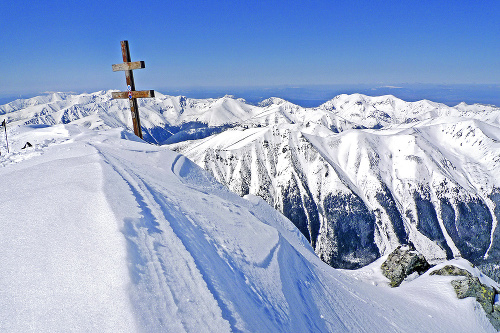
<point x="381" y="111"/>
<point x="271" y="101"/>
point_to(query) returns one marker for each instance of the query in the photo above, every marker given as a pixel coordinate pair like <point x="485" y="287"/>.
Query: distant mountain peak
<point x="272" y="101"/>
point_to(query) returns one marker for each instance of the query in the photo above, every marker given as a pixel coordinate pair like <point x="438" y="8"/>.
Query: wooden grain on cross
<point x="131" y="94"/>
<point x="135" y="94"/>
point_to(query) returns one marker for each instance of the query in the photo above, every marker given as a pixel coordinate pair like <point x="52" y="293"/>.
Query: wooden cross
<point x="131" y="94"/>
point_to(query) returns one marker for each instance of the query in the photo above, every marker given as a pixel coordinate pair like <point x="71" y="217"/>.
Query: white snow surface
<point x="102" y="232"/>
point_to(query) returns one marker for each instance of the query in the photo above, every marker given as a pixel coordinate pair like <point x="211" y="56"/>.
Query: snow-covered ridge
<point x="355" y="110"/>
<point x="103" y="232"/>
<point x="382" y="111"/>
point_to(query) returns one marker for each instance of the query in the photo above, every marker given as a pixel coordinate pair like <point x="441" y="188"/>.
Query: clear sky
<point x="71" y="45"/>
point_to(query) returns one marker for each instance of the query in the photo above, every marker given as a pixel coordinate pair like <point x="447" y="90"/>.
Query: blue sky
<point x="71" y="45"/>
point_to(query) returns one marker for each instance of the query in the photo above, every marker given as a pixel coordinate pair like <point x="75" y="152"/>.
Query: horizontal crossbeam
<point x="135" y="94"/>
<point x="127" y="66"/>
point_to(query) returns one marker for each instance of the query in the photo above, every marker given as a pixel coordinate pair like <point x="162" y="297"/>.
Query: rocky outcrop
<point x="451" y="270"/>
<point x="470" y="286"/>
<point x="494" y="317"/>
<point x="403" y="262"/>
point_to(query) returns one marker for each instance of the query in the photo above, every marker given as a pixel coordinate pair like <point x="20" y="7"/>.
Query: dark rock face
<point x="314" y="223"/>
<point x="491" y="269"/>
<point x="494" y="251"/>
<point x="352" y="228"/>
<point x="427" y="221"/>
<point x="469" y="226"/>
<point x="386" y="200"/>
<point x="293" y="207"/>
<point x="403" y="262"/>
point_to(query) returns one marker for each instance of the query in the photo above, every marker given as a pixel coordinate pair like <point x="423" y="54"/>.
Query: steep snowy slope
<point x="104" y="233"/>
<point x="357" y="194"/>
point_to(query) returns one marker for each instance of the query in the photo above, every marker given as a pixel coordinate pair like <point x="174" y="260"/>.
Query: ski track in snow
<point x="144" y="237"/>
<point x="165" y="224"/>
<point x="201" y="255"/>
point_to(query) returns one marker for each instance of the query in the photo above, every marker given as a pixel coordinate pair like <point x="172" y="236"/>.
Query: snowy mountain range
<point x="357" y="175"/>
<point x="102" y="232"/>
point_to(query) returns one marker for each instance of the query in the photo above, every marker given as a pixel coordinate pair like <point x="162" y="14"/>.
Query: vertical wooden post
<point x="4" y="124"/>
<point x="131" y="93"/>
<point x="134" y="108"/>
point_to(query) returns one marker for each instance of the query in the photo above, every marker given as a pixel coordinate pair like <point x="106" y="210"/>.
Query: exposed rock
<point x="451" y="270"/>
<point x="494" y="317"/>
<point x="472" y="287"/>
<point x="403" y="262"/>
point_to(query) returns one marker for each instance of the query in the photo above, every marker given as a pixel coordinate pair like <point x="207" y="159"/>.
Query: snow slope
<point x="102" y="232"/>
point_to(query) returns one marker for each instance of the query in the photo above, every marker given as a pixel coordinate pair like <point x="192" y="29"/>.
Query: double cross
<point x="131" y="93"/>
